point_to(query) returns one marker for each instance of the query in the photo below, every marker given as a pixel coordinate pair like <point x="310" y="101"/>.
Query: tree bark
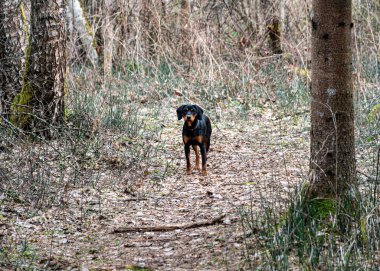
<point x="148" y="23"/>
<point x="12" y="49"/>
<point x="332" y="146"/>
<point x="78" y="24"/>
<point x="274" y="31"/>
<point x="40" y="104"/>
<point x="185" y="29"/>
<point x="108" y="36"/>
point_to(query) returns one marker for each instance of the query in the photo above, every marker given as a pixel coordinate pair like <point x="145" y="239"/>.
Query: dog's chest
<point x="190" y="132"/>
<point x="197" y="131"/>
<point x="193" y="136"/>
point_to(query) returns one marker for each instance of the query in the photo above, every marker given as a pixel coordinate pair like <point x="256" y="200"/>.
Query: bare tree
<point x="332" y="162"/>
<point x="108" y="37"/>
<point x="185" y="27"/>
<point x="40" y="103"/>
<point x="80" y="29"/>
<point x="275" y="35"/>
<point x="149" y="27"/>
<point x="12" y="48"/>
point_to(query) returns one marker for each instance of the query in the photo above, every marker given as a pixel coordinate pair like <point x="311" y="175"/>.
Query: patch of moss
<point x="20" y="104"/>
<point x="19" y="108"/>
<point x="321" y="208"/>
<point x="316" y="207"/>
<point x="88" y="26"/>
<point x="375" y="111"/>
<point x="23" y="16"/>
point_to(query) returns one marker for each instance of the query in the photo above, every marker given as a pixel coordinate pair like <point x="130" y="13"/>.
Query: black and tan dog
<point x="196" y="132"/>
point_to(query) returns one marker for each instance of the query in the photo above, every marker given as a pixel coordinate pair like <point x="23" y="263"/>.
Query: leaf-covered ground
<point x="175" y="222"/>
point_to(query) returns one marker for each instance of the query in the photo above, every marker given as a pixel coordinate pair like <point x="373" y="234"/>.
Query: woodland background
<point x="119" y="159"/>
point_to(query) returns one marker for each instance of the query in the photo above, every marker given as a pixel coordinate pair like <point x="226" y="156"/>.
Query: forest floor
<point x="179" y="222"/>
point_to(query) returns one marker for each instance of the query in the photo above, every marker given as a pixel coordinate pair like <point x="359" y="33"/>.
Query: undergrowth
<point x="112" y="137"/>
<point x="116" y="127"/>
<point x="298" y="237"/>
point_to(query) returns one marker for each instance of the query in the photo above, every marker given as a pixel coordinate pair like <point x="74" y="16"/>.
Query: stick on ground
<point x="163" y="228"/>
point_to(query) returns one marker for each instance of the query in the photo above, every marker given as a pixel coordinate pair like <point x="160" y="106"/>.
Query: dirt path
<point x="262" y="158"/>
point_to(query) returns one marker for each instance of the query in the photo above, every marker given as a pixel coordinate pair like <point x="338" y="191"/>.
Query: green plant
<point x="307" y="234"/>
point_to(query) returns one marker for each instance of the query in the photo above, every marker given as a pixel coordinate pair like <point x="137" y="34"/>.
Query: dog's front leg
<point x="196" y="150"/>
<point x="204" y="158"/>
<point x="187" y="154"/>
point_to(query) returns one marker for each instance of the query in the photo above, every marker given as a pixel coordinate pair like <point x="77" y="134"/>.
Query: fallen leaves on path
<point x="175" y="222"/>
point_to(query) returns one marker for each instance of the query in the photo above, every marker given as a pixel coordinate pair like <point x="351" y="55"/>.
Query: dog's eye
<point x="192" y="109"/>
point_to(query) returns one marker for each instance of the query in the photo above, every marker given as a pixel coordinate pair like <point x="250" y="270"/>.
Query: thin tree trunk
<point x="188" y="50"/>
<point x="40" y="104"/>
<point x="148" y="28"/>
<point x="185" y="28"/>
<point x="79" y="25"/>
<point x="332" y="162"/>
<point x="275" y="35"/>
<point x="108" y="36"/>
<point x="12" y="49"/>
<point x="163" y="11"/>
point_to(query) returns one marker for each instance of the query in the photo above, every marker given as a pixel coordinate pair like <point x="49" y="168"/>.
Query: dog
<point x="196" y="132"/>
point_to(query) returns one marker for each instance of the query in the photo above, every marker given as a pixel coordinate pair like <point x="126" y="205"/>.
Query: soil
<point x="176" y="222"/>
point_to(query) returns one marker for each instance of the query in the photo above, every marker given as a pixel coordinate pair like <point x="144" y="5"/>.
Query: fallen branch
<point x="163" y="228"/>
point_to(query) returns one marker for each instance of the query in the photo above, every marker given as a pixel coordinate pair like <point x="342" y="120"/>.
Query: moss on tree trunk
<point x="12" y="46"/>
<point x="40" y="104"/>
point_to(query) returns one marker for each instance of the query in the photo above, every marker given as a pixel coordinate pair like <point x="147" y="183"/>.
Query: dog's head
<point x="189" y="112"/>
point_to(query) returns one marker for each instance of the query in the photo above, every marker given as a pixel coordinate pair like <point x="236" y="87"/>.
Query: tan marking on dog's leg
<point x="185" y="139"/>
<point x="196" y="149"/>
<point x="204" y="169"/>
<point x="205" y="141"/>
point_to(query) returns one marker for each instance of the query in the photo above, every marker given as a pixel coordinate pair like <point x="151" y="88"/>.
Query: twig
<point x="163" y="228"/>
<point x="369" y="178"/>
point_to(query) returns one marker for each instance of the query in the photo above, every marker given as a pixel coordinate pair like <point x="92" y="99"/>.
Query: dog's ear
<point x="199" y="112"/>
<point x="179" y="111"/>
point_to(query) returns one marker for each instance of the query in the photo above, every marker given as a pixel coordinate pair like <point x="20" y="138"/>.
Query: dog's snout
<point x="188" y="117"/>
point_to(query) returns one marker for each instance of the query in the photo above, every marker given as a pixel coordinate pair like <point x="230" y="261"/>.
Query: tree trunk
<point x="40" y="104"/>
<point x="332" y="161"/>
<point x="274" y="31"/>
<point x="79" y="25"/>
<point x="148" y="28"/>
<point x="12" y="48"/>
<point x="108" y="36"/>
<point x="185" y="29"/>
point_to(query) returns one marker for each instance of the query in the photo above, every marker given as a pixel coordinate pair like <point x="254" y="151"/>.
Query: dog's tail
<point x="208" y="133"/>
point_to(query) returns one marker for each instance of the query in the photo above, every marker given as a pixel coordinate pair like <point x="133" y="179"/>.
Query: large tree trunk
<point x="40" y="104"/>
<point x="12" y="47"/>
<point x="332" y="161"/>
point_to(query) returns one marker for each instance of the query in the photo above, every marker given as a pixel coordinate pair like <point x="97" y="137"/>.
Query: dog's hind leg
<point x="208" y="134"/>
<point x="204" y="158"/>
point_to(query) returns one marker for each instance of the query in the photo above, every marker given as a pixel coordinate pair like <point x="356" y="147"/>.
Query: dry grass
<point x="119" y="159"/>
